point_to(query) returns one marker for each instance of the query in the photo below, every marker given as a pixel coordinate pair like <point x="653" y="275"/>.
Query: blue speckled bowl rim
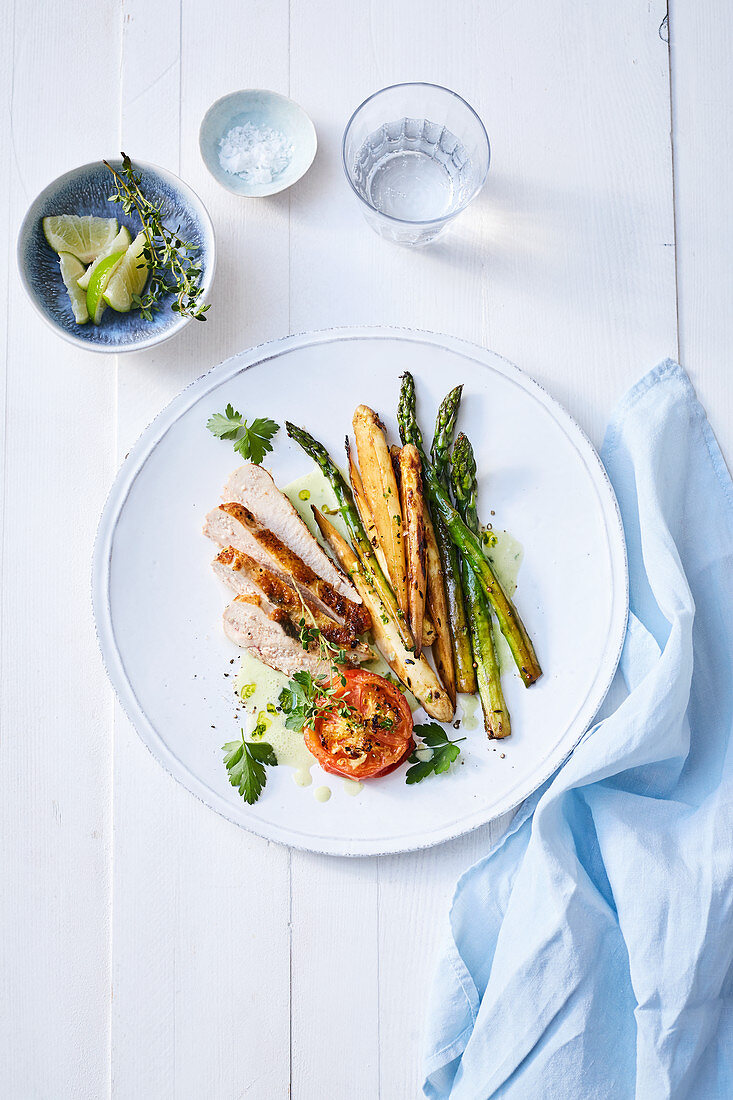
<point x="139" y="345"/>
<point x="277" y="189"/>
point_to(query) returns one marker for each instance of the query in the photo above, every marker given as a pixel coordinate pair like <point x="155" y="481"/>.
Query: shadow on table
<point x="558" y="241"/>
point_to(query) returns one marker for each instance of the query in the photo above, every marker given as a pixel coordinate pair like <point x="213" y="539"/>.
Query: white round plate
<point x="158" y="605"/>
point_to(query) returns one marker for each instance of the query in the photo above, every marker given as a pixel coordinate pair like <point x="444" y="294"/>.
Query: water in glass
<point x="413" y="170"/>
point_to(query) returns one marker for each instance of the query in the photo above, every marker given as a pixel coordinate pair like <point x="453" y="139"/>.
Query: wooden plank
<point x="335" y="978"/>
<point x="335" y="903"/>
<point x="201" y="946"/>
<point x="55" y="704"/>
<point x="701" y="41"/>
<point x="565" y="264"/>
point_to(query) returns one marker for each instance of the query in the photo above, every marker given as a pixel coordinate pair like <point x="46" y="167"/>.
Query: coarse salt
<point x="255" y="154"/>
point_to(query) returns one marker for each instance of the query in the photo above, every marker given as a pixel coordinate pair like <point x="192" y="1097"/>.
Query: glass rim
<point x="416" y="84"/>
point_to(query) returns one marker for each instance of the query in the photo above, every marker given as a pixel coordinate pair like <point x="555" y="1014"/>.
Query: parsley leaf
<point x="245" y="760"/>
<point x="255" y="443"/>
<point x="444" y="752"/>
<point x="299" y="700"/>
<point x="307" y="696"/>
<point x="251" y="441"/>
<point x="225" y="425"/>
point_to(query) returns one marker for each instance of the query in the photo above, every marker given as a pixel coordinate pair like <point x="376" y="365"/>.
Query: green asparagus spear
<point x="449" y="556"/>
<point x="468" y="544"/>
<point x="488" y="674"/>
<point x="354" y="525"/>
<point x="445" y="425"/>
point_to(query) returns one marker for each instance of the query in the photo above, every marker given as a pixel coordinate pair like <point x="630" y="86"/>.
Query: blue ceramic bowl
<point x="261" y="109"/>
<point x="86" y="190"/>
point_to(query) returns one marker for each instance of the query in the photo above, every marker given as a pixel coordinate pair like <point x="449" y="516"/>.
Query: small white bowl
<point x="262" y="109"/>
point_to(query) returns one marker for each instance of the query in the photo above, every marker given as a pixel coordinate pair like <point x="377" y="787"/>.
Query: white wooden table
<point x="148" y="948"/>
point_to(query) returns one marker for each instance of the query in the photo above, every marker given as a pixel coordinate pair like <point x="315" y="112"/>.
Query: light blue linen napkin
<point x="591" y="951"/>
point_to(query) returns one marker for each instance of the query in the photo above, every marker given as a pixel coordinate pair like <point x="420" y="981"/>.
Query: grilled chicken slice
<point x="254" y="581"/>
<point x="254" y="487"/>
<point x="234" y="525"/>
<point x="247" y="624"/>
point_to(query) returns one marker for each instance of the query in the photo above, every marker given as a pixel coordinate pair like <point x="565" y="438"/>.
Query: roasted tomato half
<point x="365" y="730"/>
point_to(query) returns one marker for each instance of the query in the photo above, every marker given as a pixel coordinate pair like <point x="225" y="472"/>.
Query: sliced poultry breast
<point x="234" y="525"/>
<point x="282" y="603"/>
<point x="254" y="487"/>
<point x="247" y="624"/>
<point x="284" y="580"/>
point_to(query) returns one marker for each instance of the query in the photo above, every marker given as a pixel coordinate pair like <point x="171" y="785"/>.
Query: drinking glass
<point x="415" y="155"/>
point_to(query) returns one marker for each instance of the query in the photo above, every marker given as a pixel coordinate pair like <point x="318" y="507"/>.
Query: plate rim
<point x="142" y="450"/>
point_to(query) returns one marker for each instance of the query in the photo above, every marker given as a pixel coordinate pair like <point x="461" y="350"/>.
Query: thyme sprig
<point x="173" y="266"/>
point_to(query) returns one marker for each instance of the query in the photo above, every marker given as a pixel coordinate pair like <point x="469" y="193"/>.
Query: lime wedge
<point x="71" y="269"/>
<point x="129" y="278"/>
<point x="119" y="244"/>
<point x="98" y="284"/>
<point x="84" y="237"/>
